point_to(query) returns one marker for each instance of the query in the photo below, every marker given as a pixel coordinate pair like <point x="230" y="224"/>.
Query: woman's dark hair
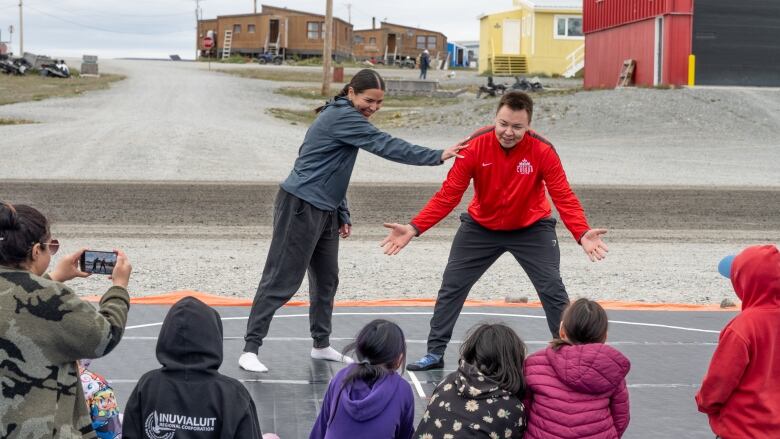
<point x="584" y="321"/>
<point x="516" y="101"/>
<point x="497" y="351"/>
<point x="21" y="227"/>
<point x="378" y="347"/>
<point x="363" y="80"/>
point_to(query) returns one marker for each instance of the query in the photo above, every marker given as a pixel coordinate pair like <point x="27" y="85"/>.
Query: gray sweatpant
<point x="475" y="249"/>
<point x="304" y="238"/>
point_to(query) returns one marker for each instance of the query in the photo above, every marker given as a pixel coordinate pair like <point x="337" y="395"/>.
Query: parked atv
<point x="524" y="84"/>
<point x="55" y="70"/>
<point x="14" y="66"/>
<point x="406" y="62"/>
<point x="267" y="58"/>
<point x="491" y="89"/>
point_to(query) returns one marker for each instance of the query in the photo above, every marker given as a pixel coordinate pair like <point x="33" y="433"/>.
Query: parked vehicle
<point x="406" y="62"/>
<point x="14" y="66"/>
<point x="491" y="89"/>
<point x="524" y="84"/>
<point x="268" y="58"/>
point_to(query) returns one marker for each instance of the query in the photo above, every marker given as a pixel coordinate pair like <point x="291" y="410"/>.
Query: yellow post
<point x="691" y="70"/>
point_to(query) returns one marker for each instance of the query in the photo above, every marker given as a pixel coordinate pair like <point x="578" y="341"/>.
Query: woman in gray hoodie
<point x="311" y="211"/>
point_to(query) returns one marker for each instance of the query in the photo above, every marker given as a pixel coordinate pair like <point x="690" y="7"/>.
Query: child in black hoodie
<point x="188" y="397"/>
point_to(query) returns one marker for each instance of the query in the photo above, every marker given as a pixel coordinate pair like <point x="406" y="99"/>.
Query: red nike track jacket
<point x="509" y="186"/>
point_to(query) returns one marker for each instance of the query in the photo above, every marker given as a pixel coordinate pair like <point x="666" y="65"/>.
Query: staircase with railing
<point x="576" y="61"/>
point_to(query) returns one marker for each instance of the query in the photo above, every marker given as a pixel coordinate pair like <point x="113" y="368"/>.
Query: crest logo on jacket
<point x="525" y="167"/>
<point x="164" y="425"/>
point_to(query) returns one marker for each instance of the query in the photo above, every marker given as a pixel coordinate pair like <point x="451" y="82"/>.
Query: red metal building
<point x="656" y="34"/>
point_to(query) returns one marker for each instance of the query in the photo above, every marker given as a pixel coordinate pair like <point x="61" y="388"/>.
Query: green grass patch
<point x="33" y="87"/>
<point x="14" y="121"/>
<point x="313" y="93"/>
<point x="274" y="74"/>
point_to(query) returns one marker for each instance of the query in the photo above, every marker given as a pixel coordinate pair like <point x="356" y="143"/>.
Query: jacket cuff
<point x="579" y="240"/>
<point x="416" y="229"/>
<point x="116" y="292"/>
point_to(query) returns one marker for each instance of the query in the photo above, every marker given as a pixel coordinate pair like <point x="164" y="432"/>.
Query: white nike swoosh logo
<point x="486" y="164"/>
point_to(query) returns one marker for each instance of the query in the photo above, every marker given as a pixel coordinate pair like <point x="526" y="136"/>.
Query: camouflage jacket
<point x="44" y="329"/>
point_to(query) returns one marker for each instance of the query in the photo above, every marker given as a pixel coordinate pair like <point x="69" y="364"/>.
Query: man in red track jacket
<point x="511" y="166"/>
<point x="741" y="391"/>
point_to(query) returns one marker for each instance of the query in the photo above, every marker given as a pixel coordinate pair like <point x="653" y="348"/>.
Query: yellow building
<point x="536" y="37"/>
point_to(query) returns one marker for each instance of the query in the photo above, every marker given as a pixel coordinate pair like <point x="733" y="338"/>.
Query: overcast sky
<point x="157" y="28"/>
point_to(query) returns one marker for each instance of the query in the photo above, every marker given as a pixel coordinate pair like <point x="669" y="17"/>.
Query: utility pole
<point x="349" y="13"/>
<point x="21" y="29"/>
<point x="326" y="52"/>
<point x="198" y="17"/>
<point x="255" y="7"/>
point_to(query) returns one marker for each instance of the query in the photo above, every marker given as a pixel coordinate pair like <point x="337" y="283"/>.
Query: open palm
<point x="593" y="245"/>
<point x="399" y="236"/>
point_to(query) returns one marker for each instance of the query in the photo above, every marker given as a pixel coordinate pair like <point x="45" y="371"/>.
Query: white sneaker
<point x="330" y="354"/>
<point x="249" y="361"/>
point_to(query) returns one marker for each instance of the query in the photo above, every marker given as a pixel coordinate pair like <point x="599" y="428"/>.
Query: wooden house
<point x="274" y="30"/>
<point x="393" y="42"/>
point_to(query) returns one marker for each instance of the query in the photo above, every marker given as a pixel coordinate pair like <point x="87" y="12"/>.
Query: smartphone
<point x="97" y="262"/>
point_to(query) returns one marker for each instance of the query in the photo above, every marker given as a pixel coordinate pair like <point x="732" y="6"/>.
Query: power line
<point x="87" y="26"/>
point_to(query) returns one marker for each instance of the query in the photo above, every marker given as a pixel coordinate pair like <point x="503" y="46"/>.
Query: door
<point x="273" y="32"/>
<point x="511" y="41"/>
<point x="737" y="42"/>
<point x="391" y="49"/>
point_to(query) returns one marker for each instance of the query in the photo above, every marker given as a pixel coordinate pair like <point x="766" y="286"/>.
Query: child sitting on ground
<point x="483" y="398"/>
<point x="741" y="391"/>
<point x="101" y="403"/>
<point x="188" y="397"/>
<point x="577" y="386"/>
<point x="368" y="398"/>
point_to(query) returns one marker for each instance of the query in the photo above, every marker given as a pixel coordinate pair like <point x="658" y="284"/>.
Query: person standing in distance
<point x="511" y="165"/>
<point x="311" y="211"/>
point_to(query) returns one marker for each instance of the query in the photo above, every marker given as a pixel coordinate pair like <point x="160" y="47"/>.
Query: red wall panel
<point x="606" y="50"/>
<point x="678" y="31"/>
<point x="603" y="14"/>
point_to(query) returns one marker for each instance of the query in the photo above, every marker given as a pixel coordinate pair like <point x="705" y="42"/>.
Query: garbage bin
<point x="338" y="74"/>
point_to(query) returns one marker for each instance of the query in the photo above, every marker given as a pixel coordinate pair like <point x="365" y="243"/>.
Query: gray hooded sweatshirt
<point x="325" y="160"/>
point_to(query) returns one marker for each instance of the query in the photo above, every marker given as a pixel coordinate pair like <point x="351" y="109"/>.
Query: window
<point x="568" y="27"/>
<point x="236" y="28"/>
<point x="315" y="30"/>
<point x="426" y="42"/>
<point x="359" y="39"/>
<point x="250" y="28"/>
<point x="372" y="41"/>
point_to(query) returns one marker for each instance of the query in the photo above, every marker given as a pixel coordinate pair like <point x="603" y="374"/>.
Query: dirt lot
<point x="179" y="166"/>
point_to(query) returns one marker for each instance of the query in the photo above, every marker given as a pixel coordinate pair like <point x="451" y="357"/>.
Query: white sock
<point x="249" y="361"/>
<point x="330" y="354"/>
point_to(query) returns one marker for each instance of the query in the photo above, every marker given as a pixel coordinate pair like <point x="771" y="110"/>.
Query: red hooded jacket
<point x="509" y="186"/>
<point x="741" y="390"/>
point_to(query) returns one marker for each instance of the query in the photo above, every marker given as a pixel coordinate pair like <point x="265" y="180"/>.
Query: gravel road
<point x="179" y="166"/>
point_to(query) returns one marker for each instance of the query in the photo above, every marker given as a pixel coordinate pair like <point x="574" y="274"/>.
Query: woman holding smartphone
<point x="311" y="211"/>
<point x="45" y="328"/>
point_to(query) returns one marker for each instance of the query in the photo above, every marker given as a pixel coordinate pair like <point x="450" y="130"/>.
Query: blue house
<point x="459" y="55"/>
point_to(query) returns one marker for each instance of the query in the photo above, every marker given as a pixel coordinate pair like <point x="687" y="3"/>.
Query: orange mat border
<point x="214" y="300"/>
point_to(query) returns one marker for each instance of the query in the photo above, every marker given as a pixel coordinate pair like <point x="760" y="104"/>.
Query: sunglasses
<point x="54" y="246"/>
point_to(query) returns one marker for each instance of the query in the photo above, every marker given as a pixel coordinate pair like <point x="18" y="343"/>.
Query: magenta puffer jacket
<point x="577" y="392"/>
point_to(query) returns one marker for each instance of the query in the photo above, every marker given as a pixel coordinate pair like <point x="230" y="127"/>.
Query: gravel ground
<point x="680" y="177"/>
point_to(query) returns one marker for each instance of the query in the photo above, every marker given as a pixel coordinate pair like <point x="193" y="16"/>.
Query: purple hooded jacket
<point x="382" y="411"/>
<point x="577" y="392"/>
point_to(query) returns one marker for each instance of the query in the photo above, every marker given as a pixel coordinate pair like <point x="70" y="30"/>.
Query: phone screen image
<point x="98" y="262"/>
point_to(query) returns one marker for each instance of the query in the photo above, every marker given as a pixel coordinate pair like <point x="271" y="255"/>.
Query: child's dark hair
<point x="516" y="101"/>
<point x="363" y="80"/>
<point x="21" y="227"/>
<point x="378" y="348"/>
<point x="497" y="351"/>
<point x="584" y="321"/>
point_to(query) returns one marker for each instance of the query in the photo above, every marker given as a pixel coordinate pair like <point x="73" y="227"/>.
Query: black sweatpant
<point x="475" y="249"/>
<point x="304" y="237"/>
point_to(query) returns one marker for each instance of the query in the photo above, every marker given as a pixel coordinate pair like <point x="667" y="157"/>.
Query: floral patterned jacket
<point x="469" y="405"/>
